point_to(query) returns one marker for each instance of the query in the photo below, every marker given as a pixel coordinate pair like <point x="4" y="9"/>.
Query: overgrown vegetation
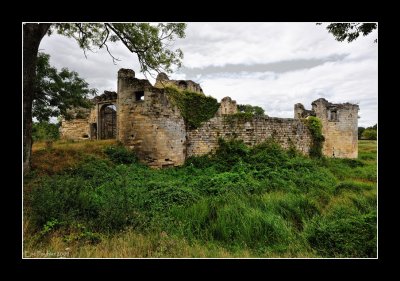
<point x="239" y="117"/>
<point x="195" y="108"/>
<point x="246" y="113"/>
<point x="45" y="131"/>
<point x="239" y="202"/>
<point x="370" y="133"/>
<point x="315" y="126"/>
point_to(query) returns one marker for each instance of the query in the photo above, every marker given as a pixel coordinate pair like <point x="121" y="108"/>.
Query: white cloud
<point x="339" y="71"/>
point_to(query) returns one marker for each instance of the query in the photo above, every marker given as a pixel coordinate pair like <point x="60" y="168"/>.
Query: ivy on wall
<point x="195" y="108"/>
<point x="315" y="126"/>
<point x="239" y="117"/>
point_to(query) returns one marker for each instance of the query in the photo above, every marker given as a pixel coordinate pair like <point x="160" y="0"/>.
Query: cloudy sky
<point x="272" y="65"/>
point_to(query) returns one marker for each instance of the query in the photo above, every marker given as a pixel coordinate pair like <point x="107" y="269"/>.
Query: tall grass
<point x="259" y="202"/>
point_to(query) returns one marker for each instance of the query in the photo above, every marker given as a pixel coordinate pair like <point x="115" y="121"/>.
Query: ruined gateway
<point x="142" y="117"/>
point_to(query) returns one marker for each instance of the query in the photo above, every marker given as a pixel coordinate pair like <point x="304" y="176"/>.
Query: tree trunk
<point x="33" y="34"/>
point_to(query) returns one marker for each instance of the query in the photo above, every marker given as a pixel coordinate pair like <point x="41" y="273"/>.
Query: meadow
<point x="95" y="199"/>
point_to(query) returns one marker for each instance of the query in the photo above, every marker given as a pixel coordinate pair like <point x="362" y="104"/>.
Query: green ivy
<point x="315" y="126"/>
<point x="240" y="116"/>
<point x="195" y="108"/>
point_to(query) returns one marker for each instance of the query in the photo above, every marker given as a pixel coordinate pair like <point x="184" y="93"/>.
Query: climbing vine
<point x="315" y="126"/>
<point x="195" y="108"/>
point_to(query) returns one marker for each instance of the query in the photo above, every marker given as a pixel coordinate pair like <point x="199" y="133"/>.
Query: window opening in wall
<point x="333" y="115"/>
<point x="139" y="95"/>
<point x="108" y="122"/>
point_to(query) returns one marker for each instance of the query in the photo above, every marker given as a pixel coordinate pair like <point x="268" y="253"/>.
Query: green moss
<point x="315" y="126"/>
<point x="195" y="108"/>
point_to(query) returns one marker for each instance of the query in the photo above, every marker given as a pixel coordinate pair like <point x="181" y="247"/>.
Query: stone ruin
<point x="143" y="118"/>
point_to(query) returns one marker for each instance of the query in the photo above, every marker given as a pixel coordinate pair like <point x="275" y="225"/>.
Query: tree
<point x="369" y="134"/>
<point x="151" y="44"/>
<point x="45" y="131"/>
<point x="56" y="92"/>
<point x="247" y="108"/>
<point x="360" y="131"/>
<point x="350" y="31"/>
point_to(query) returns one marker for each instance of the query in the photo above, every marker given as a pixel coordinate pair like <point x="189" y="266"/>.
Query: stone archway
<point x="107" y="128"/>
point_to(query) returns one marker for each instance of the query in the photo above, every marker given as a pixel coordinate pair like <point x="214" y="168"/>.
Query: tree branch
<point x="105" y="44"/>
<point x="119" y="36"/>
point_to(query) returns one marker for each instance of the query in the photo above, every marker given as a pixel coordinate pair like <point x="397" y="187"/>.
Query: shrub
<point x="120" y="154"/>
<point x="369" y="134"/>
<point x="45" y="131"/>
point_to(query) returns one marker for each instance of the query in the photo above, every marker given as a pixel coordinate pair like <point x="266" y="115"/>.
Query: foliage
<point x="150" y="42"/>
<point x="195" y="108"/>
<point x="350" y="31"/>
<point x="247" y="108"/>
<point x="239" y="117"/>
<point x="56" y="92"/>
<point x="315" y="126"/>
<point x="120" y="154"/>
<point x="360" y="131"/>
<point x="370" y="133"/>
<point x="256" y="201"/>
<point x="45" y="131"/>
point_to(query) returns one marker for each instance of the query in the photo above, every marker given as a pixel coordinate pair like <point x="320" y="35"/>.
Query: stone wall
<point x="152" y="126"/>
<point x="76" y="129"/>
<point x="339" y="127"/>
<point x="285" y="131"/>
<point x="162" y="81"/>
<point x="227" y="106"/>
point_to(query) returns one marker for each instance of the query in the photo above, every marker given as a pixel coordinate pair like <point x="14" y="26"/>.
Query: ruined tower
<point x="339" y="126"/>
<point x="143" y="118"/>
<point x="148" y="123"/>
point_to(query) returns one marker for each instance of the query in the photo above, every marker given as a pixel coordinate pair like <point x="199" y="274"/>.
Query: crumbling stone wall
<point x="76" y="129"/>
<point x="285" y="131"/>
<point x="228" y="106"/>
<point x="153" y="127"/>
<point x="339" y="127"/>
<point x="162" y="81"/>
<point x="150" y="124"/>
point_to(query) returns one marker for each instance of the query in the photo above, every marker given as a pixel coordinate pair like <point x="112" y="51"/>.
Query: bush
<point x="45" y="131"/>
<point x="120" y="155"/>
<point x="369" y="134"/>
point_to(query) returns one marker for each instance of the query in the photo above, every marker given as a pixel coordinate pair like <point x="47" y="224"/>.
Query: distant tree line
<point x="369" y="133"/>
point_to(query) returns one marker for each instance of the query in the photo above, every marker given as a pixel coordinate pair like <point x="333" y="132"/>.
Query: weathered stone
<point x="147" y="122"/>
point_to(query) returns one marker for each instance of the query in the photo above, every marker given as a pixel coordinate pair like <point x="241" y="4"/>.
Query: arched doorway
<point x="108" y="122"/>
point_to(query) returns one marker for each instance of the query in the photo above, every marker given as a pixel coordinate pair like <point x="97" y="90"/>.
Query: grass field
<point x="94" y="199"/>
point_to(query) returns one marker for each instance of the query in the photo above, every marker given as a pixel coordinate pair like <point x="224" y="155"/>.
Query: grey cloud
<point x="276" y="67"/>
